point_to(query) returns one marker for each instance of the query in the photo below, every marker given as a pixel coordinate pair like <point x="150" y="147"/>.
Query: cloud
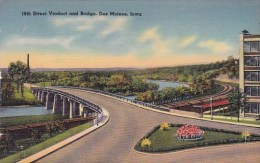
<point x="79" y="24"/>
<point x="150" y="34"/>
<point x="160" y="46"/>
<point x="186" y="41"/>
<point x="21" y="41"/>
<point x="85" y="24"/>
<point x="114" y="26"/>
<point x="215" y="46"/>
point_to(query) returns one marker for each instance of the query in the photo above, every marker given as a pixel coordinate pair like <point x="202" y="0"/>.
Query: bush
<point x="164" y="126"/>
<point x="146" y="142"/>
<point x="245" y="135"/>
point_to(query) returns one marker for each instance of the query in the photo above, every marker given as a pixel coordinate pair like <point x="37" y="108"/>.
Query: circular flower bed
<point x="189" y="132"/>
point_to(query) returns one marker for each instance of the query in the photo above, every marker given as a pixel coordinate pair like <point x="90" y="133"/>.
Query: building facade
<point x="249" y="72"/>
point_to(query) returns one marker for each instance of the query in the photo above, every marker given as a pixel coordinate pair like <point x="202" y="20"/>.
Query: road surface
<point x="115" y="141"/>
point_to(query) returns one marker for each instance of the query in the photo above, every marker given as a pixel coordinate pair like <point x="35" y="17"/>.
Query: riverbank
<point x="22" y="120"/>
<point x="27" y="99"/>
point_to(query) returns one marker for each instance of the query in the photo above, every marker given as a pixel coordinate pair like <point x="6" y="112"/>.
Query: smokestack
<point x="28" y="68"/>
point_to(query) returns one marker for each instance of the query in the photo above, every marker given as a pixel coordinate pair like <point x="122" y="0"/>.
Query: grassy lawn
<point x="165" y="141"/>
<point x="43" y="84"/>
<point x="28" y="96"/>
<point x="20" y="120"/>
<point x="234" y="119"/>
<point x="27" y="99"/>
<point x="43" y="145"/>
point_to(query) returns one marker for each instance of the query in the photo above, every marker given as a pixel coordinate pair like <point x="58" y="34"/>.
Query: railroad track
<point x="220" y="95"/>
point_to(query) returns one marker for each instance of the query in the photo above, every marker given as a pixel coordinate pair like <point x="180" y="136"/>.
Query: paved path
<point x="115" y="141"/>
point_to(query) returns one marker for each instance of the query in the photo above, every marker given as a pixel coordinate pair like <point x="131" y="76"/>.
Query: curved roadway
<point x="115" y="141"/>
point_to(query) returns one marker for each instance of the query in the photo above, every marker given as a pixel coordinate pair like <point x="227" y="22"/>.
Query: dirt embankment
<point x="224" y="78"/>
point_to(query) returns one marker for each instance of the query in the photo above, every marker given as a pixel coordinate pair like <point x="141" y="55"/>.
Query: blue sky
<point x="168" y="33"/>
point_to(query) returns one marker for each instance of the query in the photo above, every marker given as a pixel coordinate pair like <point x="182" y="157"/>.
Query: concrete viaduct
<point x="66" y="104"/>
<point x="115" y="141"/>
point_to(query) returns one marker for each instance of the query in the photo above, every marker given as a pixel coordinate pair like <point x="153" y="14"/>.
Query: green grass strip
<point x="28" y="96"/>
<point x="21" y="120"/>
<point x="41" y="146"/>
<point x="235" y="120"/>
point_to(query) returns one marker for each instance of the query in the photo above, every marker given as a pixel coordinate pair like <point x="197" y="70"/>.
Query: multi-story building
<point x="249" y="72"/>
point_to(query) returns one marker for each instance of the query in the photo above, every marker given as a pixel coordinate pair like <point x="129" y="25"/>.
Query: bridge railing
<point x="74" y="98"/>
<point x="119" y="97"/>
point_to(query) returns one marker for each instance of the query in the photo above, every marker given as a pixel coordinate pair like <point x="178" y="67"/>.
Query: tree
<point x="237" y="101"/>
<point x="17" y="71"/>
<point x="7" y="91"/>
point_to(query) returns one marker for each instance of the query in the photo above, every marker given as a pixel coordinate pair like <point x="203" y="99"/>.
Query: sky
<point x="168" y="33"/>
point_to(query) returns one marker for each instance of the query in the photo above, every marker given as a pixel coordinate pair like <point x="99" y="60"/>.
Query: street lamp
<point x="97" y="118"/>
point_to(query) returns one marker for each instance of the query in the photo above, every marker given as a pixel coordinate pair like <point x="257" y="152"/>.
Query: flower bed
<point x="189" y="132"/>
<point x="166" y="141"/>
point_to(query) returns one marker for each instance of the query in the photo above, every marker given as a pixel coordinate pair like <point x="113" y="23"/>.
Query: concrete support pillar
<point x="57" y="108"/>
<point x="43" y="97"/>
<point x="81" y="110"/>
<point x="65" y="107"/>
<point x="74" y="108"/>
<point x="39" y="95"/>
<point x="49" y="101"/>
<point x="71" y="108"/>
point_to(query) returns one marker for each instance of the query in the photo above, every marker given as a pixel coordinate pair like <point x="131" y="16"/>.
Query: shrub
<point x="6" y="140"/>
<point x="146" y="142"/>
<point x="36" y="135"/>
<point x="245" y="135"/>
<point x="164" y="126"/>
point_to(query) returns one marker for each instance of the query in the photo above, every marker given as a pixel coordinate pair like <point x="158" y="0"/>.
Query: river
<point x="162" y="85"/>
<point x="11" y="111"/>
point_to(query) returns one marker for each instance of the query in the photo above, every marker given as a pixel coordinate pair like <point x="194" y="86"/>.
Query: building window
<point x="252" y="61"/>
<point x="254" y="46"/>
<point x="252" y="90"/>
<point x="251" y="46"/>
<point x="252" y="107"/>
<point x="247" y="47"/>
<point x="252" y="75"/>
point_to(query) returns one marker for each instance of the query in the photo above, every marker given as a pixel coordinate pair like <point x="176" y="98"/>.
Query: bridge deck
<point x="115" y="141"/>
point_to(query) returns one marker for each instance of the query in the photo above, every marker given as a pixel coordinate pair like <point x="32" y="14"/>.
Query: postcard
<point x="129" y="81"/>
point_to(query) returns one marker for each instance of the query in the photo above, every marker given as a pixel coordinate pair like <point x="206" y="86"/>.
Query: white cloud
<point x="215" y="46"/>
<point x="114" y="26"/>
<point x="160" y="46"/>
<point x="150" y="34"/>
<point x="60" y="41"/>
<point x="85" y="24"/>
<point x="80" y="24"/>
<point x="186" y="41"/>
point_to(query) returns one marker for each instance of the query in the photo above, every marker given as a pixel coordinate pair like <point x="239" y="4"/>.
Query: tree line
<point x="200" y="77"/>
